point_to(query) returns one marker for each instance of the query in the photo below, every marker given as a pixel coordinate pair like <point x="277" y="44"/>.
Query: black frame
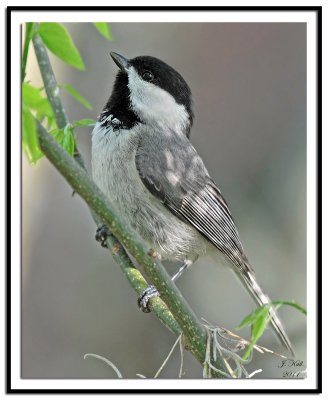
<point x="318" y="389"/>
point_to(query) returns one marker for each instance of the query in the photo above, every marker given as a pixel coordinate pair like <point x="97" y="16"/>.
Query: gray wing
<point x="175" y="174"/>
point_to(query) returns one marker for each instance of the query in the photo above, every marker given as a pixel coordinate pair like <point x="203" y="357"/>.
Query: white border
<point x="310" y="18"/>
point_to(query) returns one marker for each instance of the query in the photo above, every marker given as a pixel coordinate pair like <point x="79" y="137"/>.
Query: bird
<point x="144" y="162"/>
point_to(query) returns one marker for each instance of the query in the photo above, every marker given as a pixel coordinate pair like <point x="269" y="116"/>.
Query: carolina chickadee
<point x="144" y="162"/>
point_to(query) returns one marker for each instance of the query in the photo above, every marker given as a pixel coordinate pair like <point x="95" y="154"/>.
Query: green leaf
<point x="30" y="141"/>
<point x="84" y="122"/>
<point x="290" y="303"/>
<point x="28" y="36"/>
<point x="260" y="324"/>
<point x="32" y="96"/>
<point x="58" y="41"/>
<point x="252" y="318"/>
<point x="104" y="29"/>
<point x="68" y="142"/>
<point x="259" y="320"/>
<point x="65" y="137"/>
<point x="58" y="134"/>
<point x="248" y="320"/>
<point x="74" y="93"/>
<point x="258" y="328"/>
<point x="33" y="99"/>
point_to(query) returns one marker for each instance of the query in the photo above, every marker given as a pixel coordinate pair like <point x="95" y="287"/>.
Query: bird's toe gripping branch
<point x="143" y="300"/>
<point x="102" y="233"/>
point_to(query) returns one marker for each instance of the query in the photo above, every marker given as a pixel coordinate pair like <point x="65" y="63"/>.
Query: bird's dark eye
<point x="147" y="76"/>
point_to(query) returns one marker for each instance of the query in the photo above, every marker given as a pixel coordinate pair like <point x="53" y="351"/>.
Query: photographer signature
<point x="288" y="366"/>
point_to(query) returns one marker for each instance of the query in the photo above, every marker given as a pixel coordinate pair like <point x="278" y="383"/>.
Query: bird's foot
<point x="102" y="233"/>
<point x="143" y="300"/>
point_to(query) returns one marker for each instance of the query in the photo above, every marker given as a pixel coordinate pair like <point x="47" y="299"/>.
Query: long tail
<point x="247" y="277"/>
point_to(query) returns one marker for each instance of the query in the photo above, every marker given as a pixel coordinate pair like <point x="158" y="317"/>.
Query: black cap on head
<point x="166" y="77"/>
<point x="154" y="71"/>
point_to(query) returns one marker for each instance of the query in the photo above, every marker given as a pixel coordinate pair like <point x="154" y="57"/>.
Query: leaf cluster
<point x="259" y="320"/>
<point x="35" y="103"/>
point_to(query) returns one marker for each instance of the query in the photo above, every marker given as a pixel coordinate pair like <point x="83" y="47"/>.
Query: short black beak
<point x="120" y="61"/>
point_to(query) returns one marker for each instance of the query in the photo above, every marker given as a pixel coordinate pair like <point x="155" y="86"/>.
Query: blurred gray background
<point x="249" y="87"/>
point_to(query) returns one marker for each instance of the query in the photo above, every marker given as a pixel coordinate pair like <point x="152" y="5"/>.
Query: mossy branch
<point x="174" y="312"/>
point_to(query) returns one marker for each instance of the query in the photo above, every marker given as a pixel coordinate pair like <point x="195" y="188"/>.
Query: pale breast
<point x="114" y="171"/>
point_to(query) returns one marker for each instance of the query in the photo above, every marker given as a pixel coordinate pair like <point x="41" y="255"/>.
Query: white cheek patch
<point x="155" y="105"/>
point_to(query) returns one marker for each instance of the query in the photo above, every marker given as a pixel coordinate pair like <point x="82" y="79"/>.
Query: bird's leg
<point x="102" y="233"/>
<point x="186" y="264"/>
<point x="151" y="291"/>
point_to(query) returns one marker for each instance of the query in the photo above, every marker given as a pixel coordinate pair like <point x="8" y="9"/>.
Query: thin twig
<point x="168" y="356"/>
<point x="108" y="362"/>
<point x="181" y="349"/>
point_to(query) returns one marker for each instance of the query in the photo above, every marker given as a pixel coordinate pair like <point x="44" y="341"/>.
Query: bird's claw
<point x="101" y="235"/>
<point x="143" y="300"/>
